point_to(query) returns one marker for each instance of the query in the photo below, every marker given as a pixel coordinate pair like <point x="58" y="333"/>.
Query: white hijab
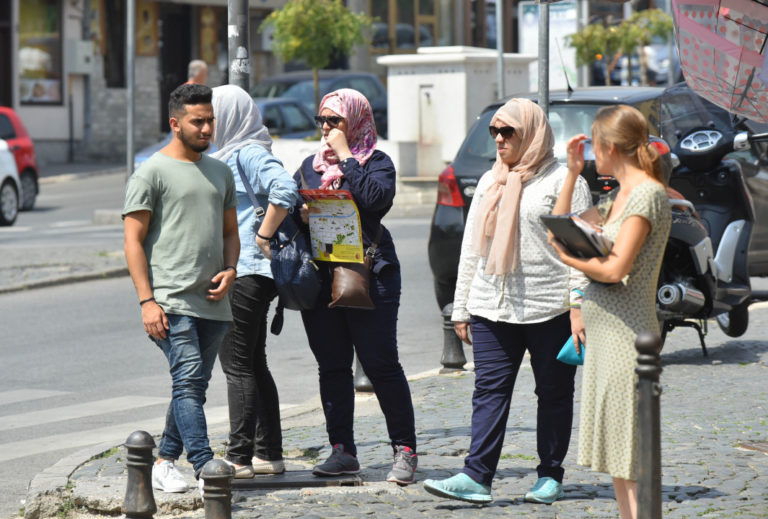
<point x="238" y="122"/>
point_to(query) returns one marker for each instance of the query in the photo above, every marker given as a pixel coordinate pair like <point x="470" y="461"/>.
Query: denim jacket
<point x="271" y="184"/>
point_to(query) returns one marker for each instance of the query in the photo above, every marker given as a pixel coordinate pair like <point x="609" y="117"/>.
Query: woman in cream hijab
<point x="512" y="295"/>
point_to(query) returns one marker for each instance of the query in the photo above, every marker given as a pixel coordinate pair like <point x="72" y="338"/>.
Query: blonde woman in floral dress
<point x="620" y="302"/>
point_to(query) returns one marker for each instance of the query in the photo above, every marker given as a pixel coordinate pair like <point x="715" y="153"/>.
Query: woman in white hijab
<point x="255" y="437"/>
<point x="512" y="294"/>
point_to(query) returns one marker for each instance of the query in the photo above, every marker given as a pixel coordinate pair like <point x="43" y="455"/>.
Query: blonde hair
<point x="626" y="128"/>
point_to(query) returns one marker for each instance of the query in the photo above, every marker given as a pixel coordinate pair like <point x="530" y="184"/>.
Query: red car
<point x="13" y="132"/>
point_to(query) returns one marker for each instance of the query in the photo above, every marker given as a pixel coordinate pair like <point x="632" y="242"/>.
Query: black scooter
<point x="704" y="272"/>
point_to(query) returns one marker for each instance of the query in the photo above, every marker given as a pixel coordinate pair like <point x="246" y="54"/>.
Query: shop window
<point x="40" y="70"/>
<point x="402" y="26"/>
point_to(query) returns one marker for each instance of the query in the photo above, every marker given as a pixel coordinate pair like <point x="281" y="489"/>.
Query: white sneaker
<point x="167" y="478"/>
<point x="200" y="484"/>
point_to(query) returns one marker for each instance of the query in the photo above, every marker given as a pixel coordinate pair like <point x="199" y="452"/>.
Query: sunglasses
<point x="332" y="120"/>
<point x="505" y="131"/>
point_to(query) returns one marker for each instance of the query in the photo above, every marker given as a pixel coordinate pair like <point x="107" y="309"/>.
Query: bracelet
<point x="147" y="300"/>
<point x="263" y="237"/>
<point x="227" y="267"/>
<point x="576" y="297"/>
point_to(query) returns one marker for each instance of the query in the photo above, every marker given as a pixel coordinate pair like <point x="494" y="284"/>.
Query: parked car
<point x="286" y="117"/>
<point x="299" y="85"/>
<point x="669" y="112"/>
<point x="10" y="186"/>
<point x="12" y="130"/>
<point x="283" y="117"/>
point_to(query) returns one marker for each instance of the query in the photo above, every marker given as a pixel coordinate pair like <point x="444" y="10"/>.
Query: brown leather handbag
<point x="351" y="281"/>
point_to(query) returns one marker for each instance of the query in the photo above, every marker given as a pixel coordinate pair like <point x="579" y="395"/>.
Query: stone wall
<point x="108" y="113"/>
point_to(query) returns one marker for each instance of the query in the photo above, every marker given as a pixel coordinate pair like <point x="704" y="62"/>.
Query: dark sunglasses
<point x="332" y="120"/>
<point x="505" y="131"/>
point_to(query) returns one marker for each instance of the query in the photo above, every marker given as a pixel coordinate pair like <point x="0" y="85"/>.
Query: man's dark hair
<point x="188" y="94"/>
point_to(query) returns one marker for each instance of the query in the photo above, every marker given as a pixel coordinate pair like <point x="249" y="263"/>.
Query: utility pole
<point x="543" y="61"/>
<point x="500" y="46"/>
<point x="237" y="29"/>
<point x="130" y="58"/>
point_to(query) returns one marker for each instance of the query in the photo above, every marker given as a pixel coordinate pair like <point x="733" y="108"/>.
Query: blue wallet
<point x="568" y="353"/>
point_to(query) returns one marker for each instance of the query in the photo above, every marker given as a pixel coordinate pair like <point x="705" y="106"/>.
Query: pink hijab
<point x="497" y="220"/>
<point x="361" y="133"/>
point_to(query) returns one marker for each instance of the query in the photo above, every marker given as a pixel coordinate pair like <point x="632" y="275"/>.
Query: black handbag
<point x="296" y="275"/>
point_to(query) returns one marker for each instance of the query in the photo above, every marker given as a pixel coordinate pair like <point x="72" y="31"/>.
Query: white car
<point x="10" y="186"/>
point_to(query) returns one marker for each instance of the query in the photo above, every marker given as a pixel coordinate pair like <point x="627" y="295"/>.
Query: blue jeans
<point x="191" y="348"/>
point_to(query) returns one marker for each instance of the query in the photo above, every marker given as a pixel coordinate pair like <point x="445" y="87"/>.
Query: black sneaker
<point x="404" y="470"/>
<point x="338" y="463"/>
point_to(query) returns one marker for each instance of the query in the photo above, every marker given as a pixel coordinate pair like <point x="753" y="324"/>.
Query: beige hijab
<point x="497" y="219"/>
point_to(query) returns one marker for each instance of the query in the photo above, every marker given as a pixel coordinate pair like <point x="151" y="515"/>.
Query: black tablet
<point x="570" y="235"/>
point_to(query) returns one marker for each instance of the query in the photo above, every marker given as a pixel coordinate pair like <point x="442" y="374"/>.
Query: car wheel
<point x="9" y="203"/>
<point x="28" y="190"/>
<point x="734" y="323"/>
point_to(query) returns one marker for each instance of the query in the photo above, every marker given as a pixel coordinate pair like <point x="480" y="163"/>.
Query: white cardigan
<point x="538" y="290"/>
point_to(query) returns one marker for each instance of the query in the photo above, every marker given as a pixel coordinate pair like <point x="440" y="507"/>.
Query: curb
<point x="66" y="177"/>
<point x="114" y="272"/>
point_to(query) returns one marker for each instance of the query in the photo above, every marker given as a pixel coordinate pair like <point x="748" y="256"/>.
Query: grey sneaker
<point x="338" y="463"/>
<point x="404" y="470"/>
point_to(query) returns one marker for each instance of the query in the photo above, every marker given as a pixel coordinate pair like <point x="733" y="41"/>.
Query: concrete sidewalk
<point x="713" y="423"/>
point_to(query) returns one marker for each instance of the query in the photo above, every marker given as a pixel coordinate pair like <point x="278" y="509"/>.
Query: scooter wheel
<point x="734" y="323"/>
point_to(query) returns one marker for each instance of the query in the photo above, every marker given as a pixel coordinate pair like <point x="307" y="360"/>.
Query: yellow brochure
<point x="334" y="225"/>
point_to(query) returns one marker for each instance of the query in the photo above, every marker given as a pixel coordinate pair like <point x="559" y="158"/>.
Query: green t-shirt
<point x="184" y="244"/>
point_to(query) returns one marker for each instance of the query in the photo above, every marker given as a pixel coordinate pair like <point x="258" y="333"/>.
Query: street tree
<point x="313" y="30"/>
<point x="608" y="43"/>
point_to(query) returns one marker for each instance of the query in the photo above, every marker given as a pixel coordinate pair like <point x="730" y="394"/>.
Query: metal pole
<point x="453" y="358"/>
<point x="648" y="346"/>
<point x="361" y="380"/>
<point x="500" y="47"/>
<point x="130" y="57"/>
<point x="544" y="56"/>
<point x="583" y="12"/>
<point x="87" y="78"/>
<point x="139" y="500"/>
<point x="217" y="489"/>
<point x="237" y="28"/>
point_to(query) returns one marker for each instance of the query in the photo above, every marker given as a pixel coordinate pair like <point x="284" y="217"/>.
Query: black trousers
<point x="498" y="352"/>
<point x="335" y="334"/>
<point x="254" y="407"/>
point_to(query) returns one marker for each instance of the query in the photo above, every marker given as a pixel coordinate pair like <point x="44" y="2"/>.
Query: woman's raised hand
<point x="338" y="143"/>
<point x="575" y="152"/>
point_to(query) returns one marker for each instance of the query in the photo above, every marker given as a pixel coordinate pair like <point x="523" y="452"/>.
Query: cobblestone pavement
<point x="713" y="411"/>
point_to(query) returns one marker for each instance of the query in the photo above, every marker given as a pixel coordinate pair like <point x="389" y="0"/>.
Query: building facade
<point x="62" y="62"/>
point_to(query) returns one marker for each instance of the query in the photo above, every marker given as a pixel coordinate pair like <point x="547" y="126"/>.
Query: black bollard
<point x="648" y="346"/>
<point x="139" y="500"/>
<point x="453" y="358"/>
<point x="362" y="383"/>
<point x="217" y="489"/>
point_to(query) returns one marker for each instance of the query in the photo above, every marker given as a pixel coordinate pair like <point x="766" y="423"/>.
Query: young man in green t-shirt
<point x="181" y="246"/>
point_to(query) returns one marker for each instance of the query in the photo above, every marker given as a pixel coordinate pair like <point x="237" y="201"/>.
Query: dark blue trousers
<point x="335" y="334"/>
<point x="498" y="352"/>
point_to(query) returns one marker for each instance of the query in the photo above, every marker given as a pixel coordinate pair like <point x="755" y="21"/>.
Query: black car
<point x="669" y="112"/>
<point x="300" y="85"/>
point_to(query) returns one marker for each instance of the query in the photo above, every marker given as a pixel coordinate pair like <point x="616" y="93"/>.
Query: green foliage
<point x="312" y="30"/>
<point x="596" y="42"/>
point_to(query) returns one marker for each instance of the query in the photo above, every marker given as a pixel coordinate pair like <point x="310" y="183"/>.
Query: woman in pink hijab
<point x="348" y="159"/>
<point x="512" y="295"/>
